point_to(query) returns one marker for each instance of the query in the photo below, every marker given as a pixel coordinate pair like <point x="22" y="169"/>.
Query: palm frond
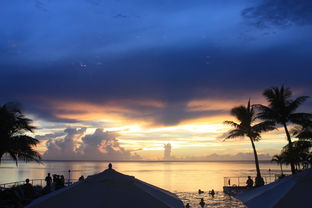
<point x="265" y="113"/>
<point x="293" y="105"/>
<point x="13" y="155"/>
<point x="264" y="126"/>
<point x="300" y="118"/>
<point x="13" y="141"/>
<point x="235" y="133"/>
<point x="240" y="113"/>
<point x="24" y="140"/>
<point x="277" y="158"/>
<point x="232" y="123"/>
<point x="29" y="155"/>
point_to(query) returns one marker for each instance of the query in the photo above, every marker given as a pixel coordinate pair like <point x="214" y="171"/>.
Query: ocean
<point x="182" y="178"/>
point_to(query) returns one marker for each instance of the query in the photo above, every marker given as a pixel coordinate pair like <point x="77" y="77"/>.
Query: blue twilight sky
<point x="103" y="64"/>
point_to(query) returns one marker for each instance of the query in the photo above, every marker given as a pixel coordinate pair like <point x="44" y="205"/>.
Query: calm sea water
<point x="183" y="178"/>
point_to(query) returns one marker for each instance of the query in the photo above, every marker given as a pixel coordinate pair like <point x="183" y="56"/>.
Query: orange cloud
<point x="220" y="104"/>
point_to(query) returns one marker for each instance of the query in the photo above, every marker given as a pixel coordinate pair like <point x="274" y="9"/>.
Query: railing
<point x="241" y="180"/>
<point x="34" y="182"/>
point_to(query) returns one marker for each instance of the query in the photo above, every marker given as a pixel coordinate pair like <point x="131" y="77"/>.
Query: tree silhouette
<point x="299" y="155"/>
<point x="247" y="126"/>
<point x="281" y="111"/>
<point x="13" y="140"/>
<point x="279" y="160"/>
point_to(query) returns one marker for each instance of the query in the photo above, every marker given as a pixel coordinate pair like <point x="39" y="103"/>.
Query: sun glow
<point x="201" y="135"/>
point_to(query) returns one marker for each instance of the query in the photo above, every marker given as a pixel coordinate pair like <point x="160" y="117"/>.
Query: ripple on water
<point x="220" y="200"/>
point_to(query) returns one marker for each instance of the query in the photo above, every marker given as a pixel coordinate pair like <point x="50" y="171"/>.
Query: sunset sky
<point x="119" y="79"/>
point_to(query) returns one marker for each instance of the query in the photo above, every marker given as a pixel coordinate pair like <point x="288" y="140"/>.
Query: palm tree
<point x="281" y="111"/>
<point x="13" y="140"/>
<point x="247" y="126"/>
<point x="279" y="160"/>
<point x="300" y="154"/>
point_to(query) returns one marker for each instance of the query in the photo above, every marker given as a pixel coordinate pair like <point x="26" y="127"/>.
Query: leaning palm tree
<point x="247" y="126"/>
<point x="279" y="160"/>
<point x="13" y="140"/>
<point x="281" y="111"/>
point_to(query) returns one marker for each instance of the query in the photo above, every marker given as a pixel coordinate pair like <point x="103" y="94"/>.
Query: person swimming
<point x="202" y="203"/>
<point x="200" y="191"/>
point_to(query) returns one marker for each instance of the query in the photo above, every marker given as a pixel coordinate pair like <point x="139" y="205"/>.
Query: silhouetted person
<point x="259" y="181"/>
<point x="62" y="181"/>
<point x="57" y="182"/>
<point x="54" y="178"/>
<point x="48" y="180"/>
<point x="28" y="190"/>
<point x="200" y="191"/>
<point x="212" y="193"/>
<point x="81" y="178"/>
<point x="187" y="205"/>
<point x="229" y="182"/>
<point x="202" y="203"/>
<point x="249" y="182"/>
<point x="110" y="166"/>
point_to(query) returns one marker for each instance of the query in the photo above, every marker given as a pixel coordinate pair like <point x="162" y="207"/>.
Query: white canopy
<point x="291" y="191"/>
<point x="109" y="189"/>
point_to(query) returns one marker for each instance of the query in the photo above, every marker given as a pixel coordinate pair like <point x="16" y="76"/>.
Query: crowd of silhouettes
<point x="21" y="195"/>
<point x="202" y="203"/>
<point x="55" y="182"/>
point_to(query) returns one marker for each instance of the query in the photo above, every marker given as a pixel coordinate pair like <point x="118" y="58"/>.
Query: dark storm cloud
<point x="174" y="82"/>
<point x="280" y="13"/>
<point x="169" y="51"/>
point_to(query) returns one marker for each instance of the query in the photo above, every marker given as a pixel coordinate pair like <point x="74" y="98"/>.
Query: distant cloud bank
<point x="77" y="145"/>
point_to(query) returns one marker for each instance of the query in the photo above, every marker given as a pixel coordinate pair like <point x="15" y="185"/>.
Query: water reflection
<point x="173" y="176"/>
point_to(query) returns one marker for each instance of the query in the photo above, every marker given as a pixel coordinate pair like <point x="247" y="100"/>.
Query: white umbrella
<point x="291" y="191"/>
<point x="109" y="189"/>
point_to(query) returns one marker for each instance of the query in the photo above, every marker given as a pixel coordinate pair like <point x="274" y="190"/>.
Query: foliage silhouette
<point x="303" y="131"/>
<point x="13" y="140"/>
<point x="299" y="155"/>
<point x="279" y="160"/>
<point x="247" y="126"/>
<point x="281" y="111"/>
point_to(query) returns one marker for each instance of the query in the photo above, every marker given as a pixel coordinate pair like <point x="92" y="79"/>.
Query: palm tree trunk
<point x="292" y="165"/>
<point x="256" y="158"/>
<point x="281" y="168"/>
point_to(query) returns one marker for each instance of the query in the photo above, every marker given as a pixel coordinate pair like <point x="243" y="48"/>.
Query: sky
<point x="122" y="79"/>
